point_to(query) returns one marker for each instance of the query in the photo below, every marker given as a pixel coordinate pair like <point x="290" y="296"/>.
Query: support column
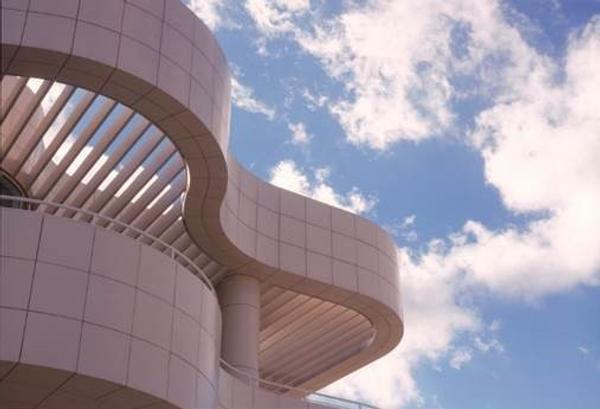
<point x="239" y="297"/>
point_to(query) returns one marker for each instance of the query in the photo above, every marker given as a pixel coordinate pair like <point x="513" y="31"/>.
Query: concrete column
<point x="239" y="296"/>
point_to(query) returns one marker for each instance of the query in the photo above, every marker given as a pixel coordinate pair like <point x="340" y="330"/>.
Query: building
<point x="141" y="265"/>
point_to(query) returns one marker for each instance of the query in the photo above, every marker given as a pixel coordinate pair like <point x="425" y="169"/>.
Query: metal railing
<point x="34" y="204"/>
<point x="308" y="395"/>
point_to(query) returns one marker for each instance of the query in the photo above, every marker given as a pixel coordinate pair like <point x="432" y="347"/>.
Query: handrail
<point x="322" y="398"/>
<point x="97" y="216"/>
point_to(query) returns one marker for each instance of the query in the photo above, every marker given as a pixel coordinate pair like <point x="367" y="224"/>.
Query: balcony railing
<point x="308" y="395"/>
<point x="96" y="219"/>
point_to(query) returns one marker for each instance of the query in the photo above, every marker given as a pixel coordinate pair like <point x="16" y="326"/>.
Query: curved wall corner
<point x="88" y="306"/>
<point x="297" y="243"/>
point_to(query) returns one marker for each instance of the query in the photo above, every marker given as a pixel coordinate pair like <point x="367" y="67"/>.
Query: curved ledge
<point x="160" y="60"/>
<point x="83" y="301"/>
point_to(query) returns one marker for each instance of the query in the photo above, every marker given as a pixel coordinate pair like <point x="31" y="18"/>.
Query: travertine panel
<point x="66" y="243"/>
<point x="115" y="256"/>
<point x="19" y="236"/>
<point x="51" y="341"/>
<point x="15" y="281"/>
<point x="157" y="274"/>
<point x="186" y="337"/>
<point x="152" y="320"/>
<point x="13" y="324"/>
<point x="51" y="285"/>
<point x="104" y="353"/>
<point x="106" y="13"/>
<point x="110" y="303"/>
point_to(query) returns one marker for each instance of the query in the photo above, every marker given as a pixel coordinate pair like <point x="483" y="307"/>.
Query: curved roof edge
<point x="164" y="63"/>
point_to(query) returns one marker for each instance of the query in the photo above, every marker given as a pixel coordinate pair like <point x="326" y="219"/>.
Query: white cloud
<point x="460" y="357"/>
<point x="402" y="89"/>
<point x="409" y="220"/>
<point x="276" y="16"/>
<point x="540" y="152"/>
<point x="209" y="11"/>
<point x="407" y="232"/>
<point x="491" y="345"/>
<point x="243" y="97"/>
<point x="403" y="229"/>
<point x="583" y="350"/>
<point x="299" y="135"/>
<point x="495" y="326"/>
<point x="286" y="174"/>
<point x="312" y="100"/>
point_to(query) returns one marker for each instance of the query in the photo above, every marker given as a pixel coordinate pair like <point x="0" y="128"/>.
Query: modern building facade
<point x="141" y="266"/>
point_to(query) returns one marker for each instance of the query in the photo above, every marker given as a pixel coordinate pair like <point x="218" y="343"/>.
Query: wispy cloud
<point x="243" y="97"/>
<point x="273" y="17"/>
<point x="402" y="89"/>
<point x="489" y="345"/>
<point x="583" y="350"/>
<point x="460" y="358"/>
<point x="403" y="229"/>
<point x="212" y="12"/>
<point x="312" y="100"/>
<point x="288" y="175"/>
<point x="299" y="135"/>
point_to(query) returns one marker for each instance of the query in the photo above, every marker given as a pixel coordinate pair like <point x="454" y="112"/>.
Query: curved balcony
<point x="90" y="316"/>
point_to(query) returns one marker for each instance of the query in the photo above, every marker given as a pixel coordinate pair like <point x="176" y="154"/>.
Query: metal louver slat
<point x="20" y="113"/>
<point x="59" y="130"/>
<point x="39" y="123"/>
<point x="10" y="88"/>
<point x="87" y="190"/>
<point x="70" y="147"/>
<point x="123" y="170"/>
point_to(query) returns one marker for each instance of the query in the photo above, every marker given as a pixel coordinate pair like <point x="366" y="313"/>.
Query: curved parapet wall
<point x="159" y="59"/>
<point x="86" y="309"/>
<point x="309" y="247"/>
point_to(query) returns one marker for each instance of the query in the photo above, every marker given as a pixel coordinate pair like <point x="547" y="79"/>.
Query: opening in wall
<point x="8" y="187"/>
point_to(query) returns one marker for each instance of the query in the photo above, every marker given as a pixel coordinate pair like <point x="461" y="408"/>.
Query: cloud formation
<point x="540" y="148"/>
<point x="460" y="357"/>
<point x="243" y="97"/>
<point x="210" y="11"/>
<point x="299" y="135"/>
<point x="273" y="17"/>
<point x="286" y="174"/>
<point x="404" y="89"/>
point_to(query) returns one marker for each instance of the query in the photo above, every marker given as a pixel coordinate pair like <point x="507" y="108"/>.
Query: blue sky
<point x="470" y="129"/>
